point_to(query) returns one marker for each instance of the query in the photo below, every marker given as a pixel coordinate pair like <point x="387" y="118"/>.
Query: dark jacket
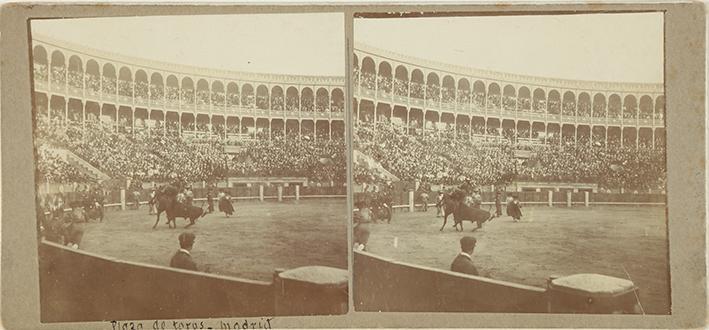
<point x="463" y="264"/>
<point x="182" y="260"/>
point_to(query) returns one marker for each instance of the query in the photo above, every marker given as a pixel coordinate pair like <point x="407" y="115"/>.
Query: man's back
<point x="183" y="260"/>
<point x="463" y="264"/>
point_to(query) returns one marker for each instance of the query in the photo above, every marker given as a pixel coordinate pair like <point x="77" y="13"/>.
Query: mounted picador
<point x="167" y="201"/>
<point x="454" y="203"/>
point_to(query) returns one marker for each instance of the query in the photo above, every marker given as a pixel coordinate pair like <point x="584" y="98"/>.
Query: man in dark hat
<point x="463" y="263"/>
<point x="182" y="258"/>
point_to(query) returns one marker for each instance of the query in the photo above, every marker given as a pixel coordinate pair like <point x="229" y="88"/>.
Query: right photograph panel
<point x="509" y="164"/>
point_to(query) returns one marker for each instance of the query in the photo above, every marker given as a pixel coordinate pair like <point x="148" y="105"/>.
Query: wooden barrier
<point x="79" y="286"/>
<point x="551" y="198"/>
<point x="385" y="285"/>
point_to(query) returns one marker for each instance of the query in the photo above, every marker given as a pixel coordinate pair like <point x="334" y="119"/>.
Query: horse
<point x="453" y="204"/>
<point x="165" y="202"/>
<point x="168" y="203"/>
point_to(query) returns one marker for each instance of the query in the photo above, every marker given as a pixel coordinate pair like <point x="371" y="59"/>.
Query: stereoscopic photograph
<point x="509" y="163"/>
<point x="190" y="166"/>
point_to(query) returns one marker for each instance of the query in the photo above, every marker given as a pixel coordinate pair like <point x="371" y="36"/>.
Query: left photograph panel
<point x="190" y="166"/>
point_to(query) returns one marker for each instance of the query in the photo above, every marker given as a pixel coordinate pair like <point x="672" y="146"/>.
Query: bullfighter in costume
<point x="225" y="204"/>
<point x="514" y="209"/>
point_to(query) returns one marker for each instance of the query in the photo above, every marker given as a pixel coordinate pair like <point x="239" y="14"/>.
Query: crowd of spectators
<point x="58" y="75"/>
<point x="157" y="157"/>
<point x="54" y="168"/>
<point x="438" y="159"/>
<point x="321" y="160"/>
<point x="143" y="91"/>
<point x="480" y="100"/>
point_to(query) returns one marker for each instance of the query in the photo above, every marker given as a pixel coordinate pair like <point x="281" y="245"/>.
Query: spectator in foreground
<point x="182" y="258"/>
<point x="463" y="263"/>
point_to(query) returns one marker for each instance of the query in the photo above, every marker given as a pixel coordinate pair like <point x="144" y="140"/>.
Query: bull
<point x="453" y="204"/>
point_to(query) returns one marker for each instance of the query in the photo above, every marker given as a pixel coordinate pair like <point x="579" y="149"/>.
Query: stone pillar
<point x="297" y="192"/>
<point x="280" y="193"/>
<point x="585" y="198"/>
<point x="550" y="199"/>
<point x="260" y="192"/>
<point x="568" y="199"/>
<point x="411" y="201"/>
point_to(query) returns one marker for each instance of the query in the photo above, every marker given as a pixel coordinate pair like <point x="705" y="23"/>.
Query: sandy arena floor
<point x="557" y="241"/>
<point x="251" y="244"/>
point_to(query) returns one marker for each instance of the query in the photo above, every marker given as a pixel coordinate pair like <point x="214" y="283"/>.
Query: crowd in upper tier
<point x="435" y="93"/>
<point x="142" y="90"/>
<point x="157" y="157"/>
<point x="440" y="159"/>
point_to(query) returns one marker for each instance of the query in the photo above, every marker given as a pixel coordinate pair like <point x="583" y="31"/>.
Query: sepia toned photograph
<point x="190" y="166"/>
<point x="510" y="163"/>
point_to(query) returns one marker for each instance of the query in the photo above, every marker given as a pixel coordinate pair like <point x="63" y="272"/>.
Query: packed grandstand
<point x="135" y="125"/>
<point x="418" y="129"/>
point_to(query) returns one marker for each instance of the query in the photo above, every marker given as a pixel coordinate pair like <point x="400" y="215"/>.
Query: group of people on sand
<point x="58" y="225"/>
<point x="185" y="196"/>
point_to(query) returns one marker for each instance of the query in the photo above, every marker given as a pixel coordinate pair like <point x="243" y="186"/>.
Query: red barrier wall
<point x="80" y="286"/>
<point x="389" y="286"/>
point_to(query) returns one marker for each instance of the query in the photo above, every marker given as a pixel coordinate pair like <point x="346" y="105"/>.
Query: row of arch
<point x="465" y="126"/>
<point x="107" y="80"/>
<point x="415" y="84"/>
<point x="128" y="119"/>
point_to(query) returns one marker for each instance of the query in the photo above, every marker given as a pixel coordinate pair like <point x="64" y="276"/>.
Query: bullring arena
<point x="125" y="126"/>
<point x="233" y="246"/>
<point x="550" y="241"/>
<point x="586" y="160"/>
